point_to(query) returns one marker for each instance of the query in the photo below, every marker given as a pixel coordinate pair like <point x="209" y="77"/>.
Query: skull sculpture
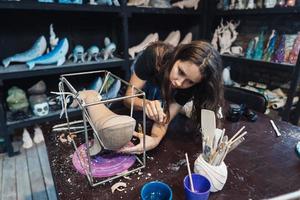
<point x="93" y="53"/>
<point x="77" y="54"/>
<point x="41" y="109"/>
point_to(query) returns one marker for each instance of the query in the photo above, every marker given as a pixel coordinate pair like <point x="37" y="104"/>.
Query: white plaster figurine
<point x="187" y="4"/>
<point x="187" y="39"/>
<point x="138" y="3"/>
<point x="152" y="37"/>
<point x="218" y="31"/>
<point x="53" y="40"/>
<point x="240" y="5"/>
<point x="270" y="3"/>
<point x="173" y="38"/>
<point x="251" y="5"/>
<point x="38" y="137"/>
<point x="232" y="5"/>
<point x="227" y="36"/>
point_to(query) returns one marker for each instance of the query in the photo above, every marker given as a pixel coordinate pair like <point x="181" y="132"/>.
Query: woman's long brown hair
<point x="208" y="93"/>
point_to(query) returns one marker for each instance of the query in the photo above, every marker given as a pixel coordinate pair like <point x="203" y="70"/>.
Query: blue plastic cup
<point x="201" y="187"/>
<point x="156" y="190"/>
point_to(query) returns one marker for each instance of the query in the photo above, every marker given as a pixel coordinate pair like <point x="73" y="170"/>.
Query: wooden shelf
<point x="174" y="11"/>
<point x="264" y="11"/>
<point x="22" y="71"/>
<point x="58" y="7"/>
<point x="282" y="66"/>
<point x="35" y="119"/>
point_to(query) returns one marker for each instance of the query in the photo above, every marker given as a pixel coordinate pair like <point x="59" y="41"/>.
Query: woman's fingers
<point x="154" y="110"/>
<point x="160" y="111"/>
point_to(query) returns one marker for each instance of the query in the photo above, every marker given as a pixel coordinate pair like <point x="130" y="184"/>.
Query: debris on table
<point x="120" y="186"/>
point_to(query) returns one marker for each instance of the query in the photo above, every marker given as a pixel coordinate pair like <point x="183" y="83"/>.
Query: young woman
<point x="183" y="73"/>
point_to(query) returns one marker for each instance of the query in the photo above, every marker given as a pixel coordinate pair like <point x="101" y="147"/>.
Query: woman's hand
<point x="151" y="143"/>
<point x="154" y="111"/>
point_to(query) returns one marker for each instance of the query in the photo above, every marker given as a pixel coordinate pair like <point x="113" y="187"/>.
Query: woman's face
<point x="184" y="74"/>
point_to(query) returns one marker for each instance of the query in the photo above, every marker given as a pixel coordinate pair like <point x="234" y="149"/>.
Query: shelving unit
<point x="274" y="18"/>
<point x="81" y="24"/>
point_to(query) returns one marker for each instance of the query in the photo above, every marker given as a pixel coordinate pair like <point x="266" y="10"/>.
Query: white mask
<point x="41" y="109"/>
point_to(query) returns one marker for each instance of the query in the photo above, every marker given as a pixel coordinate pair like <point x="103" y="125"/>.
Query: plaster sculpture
<point x="217" y="175"/>
<point x="237" y="51"/>
<point x="109" y="49"/>
<point x="27" y="141"/>
<point x="93" y="53"/>
<point x="280" y="51"/>
<point x="251" y="5"/>
<point x="240" y="5"/>
<point x="232" y="5"/>
<point x="187" y="4"/>
<point x="258" y="53"/>
<point x="38" y="99"/>
<point x="160" y="3"/>
<point x="152" y="37"/>
<point x="290" y="3"/>
<point x="77" y="54"/>
<point x="217" y="32"/>
<point x="226" y="76"/>
<point x="173" y="38"/>
<point x="92" y="2"/>
<point x="269" y="50"/>
<point x="295" y="51"/>
<point x="138" y="2"/>
<point x="38" y="48"/>
<point x="16" y="100"/>
<point x="53" y="40"/>
<point x="187" y="38"/>
<point x="227" y="36"/>
<point x="57" y="55"/>
<point x="270" y="3"/>
<point x="38" y="135"/>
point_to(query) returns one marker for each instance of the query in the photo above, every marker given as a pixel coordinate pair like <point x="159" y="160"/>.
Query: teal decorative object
<point x="258" y="53"/>
<point x="250" y="48"/>
<point x="280" y="52"/>
<point x="270" y="46"/>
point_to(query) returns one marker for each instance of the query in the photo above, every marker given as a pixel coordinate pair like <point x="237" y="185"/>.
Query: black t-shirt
<point x="145" y="69"/>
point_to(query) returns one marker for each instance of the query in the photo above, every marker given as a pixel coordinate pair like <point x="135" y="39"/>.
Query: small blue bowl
<point x="156" y="190"/>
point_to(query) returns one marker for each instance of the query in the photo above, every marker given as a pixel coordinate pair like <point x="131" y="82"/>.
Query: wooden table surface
<point x="263" y="166"/>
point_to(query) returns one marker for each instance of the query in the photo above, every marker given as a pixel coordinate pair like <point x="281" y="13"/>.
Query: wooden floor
<point x="27" y="176"/>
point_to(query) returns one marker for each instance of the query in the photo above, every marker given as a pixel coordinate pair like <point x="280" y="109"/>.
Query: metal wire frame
<point x="86" y="118"/>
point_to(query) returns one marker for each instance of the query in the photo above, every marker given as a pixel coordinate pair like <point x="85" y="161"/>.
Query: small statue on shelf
<point x="77" y="54"/>
<point x="227" y="36"/>
<point x="217" y="32"/>
<point x="295" y="51"/>
<point x="258" y="53"/>
<point x="38" y="48"/>
<point x="138" y="2"/>
<point x="240" y="5"/>
<point x="53" y="40"/>
<point x="109" y="49"/>
<point x="232" y="5"/>
<point x="251" y="5"/>
<point x="270" y="3"/>
<point x="93" y="53"/>
<point x="280" y="51"/>
<point x="16" y="100"/>
<point x="38" y="99"/>
<point x="187" y="4"/>
<point x="57" y="55"/>
<point x="160" y="3"/>
<point x="268" y="52"/>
